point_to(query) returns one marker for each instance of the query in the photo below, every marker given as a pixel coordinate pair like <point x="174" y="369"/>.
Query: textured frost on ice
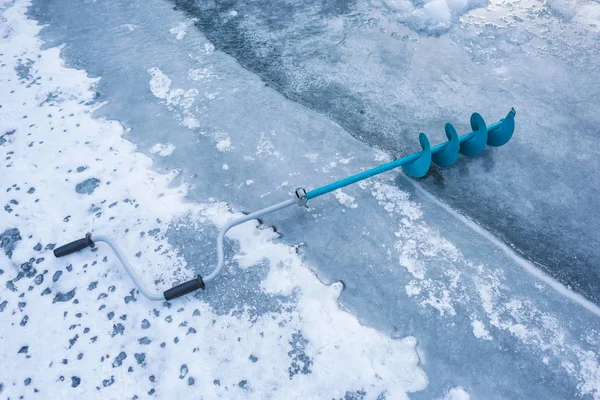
<point x="395" y="201"/>
<point x="266" y="148"/>
<point x="130" y="27"/>
<point x="199" y="74"/>
<point x="160" y="85"/>
<point x="191" y="123"/>
<point x="180" y="29"/>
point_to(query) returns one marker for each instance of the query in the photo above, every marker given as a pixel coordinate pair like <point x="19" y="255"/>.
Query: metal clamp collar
<point x="301" y="196"/>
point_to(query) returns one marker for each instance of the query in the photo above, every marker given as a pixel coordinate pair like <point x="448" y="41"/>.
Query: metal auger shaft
<point x="415" y="165"/>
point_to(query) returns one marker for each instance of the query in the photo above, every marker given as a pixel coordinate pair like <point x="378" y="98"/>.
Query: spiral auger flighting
<point x="414" y="165"/>
<point x="470" y="145"/>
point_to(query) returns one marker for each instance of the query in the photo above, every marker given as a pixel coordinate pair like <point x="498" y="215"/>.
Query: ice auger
<point x="415" y="165"/>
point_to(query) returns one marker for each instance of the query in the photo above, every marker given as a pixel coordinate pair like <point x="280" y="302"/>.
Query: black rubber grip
<point x="73" y="247"/>
<point x="184" y="288"/>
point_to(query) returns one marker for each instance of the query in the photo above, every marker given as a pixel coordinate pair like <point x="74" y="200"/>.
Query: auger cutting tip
<point x="503" y="133"/>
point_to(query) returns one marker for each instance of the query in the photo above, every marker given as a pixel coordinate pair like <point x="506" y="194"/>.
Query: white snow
<point x="199" y="74"/>
<point x="432" y="15"/>
<point x="395" y="200"/>
<point x="179" y="30"/>
<point x="345" y="199"/>
<point x="191" y="123"/>
<point x="457" y="393"/>
<point x="224" y="144"/>
<point x="479" y="330"/>
<point x="163" y="149"/>
<point x="588" y="16"/>
<point x="160" y="84"/>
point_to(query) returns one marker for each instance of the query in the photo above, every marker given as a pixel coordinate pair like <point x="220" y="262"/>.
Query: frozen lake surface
<point x="239" y="104"/>
<point x="412" y="67"/>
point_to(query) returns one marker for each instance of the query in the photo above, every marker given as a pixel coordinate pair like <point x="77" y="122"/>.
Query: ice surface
<point x="87" y="332"/>
<point x="456" y="313"/>
<point x="386" y="70"/>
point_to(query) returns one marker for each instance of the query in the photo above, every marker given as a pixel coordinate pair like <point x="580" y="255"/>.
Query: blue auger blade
<point x="476" y="143"/>
<point x="419" y="167"/>
<point x="502" y="134"/>
<point x="449" y="152"/>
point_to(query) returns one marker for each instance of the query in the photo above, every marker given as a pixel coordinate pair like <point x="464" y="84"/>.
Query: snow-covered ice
<point x="75" y="327"/>
<point x="376" y="291"/>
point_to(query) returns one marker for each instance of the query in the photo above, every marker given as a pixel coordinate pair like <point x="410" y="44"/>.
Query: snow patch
<point x="191" y="123"/>
<point x="180" y="29"/>
<point x="588" y="16"/>
<point x="479" y="330"/>
<point x="199" y="74"/>
<point x="395" y="200"/>
<point x="163" y="149"/>
<point x="160" y="84"/>
<point x="345" y="199"/>
<point x="223" y="142"/>
<point x="176" y="99"/>
<point x="432" y="17"/>
<point x="457" y="393"/>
